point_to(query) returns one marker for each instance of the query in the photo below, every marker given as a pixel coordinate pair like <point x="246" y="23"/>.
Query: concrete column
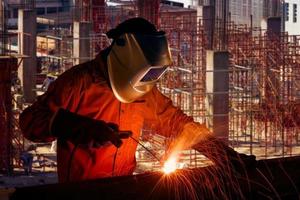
<point x="273" y="59"/>
<point x="82" y="43"/>
<point x="3" y="39"/>
<point x="27" y="46"/>
<point x="217" y="88"/>
<point x="208" y="25"/>
<point x="274" y="25"/>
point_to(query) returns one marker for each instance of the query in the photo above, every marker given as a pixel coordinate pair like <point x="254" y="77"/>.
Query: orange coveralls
<point x="84" y="90"/>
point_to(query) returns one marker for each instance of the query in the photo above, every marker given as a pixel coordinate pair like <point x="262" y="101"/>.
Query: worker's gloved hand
<point x="224" y="156"/>
<point x="83" y="130"/>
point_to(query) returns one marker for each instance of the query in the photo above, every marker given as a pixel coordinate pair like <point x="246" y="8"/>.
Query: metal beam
<point x="272" y="179"/>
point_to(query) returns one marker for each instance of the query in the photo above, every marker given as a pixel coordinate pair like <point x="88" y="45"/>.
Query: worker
<point x="87" y="107"/>
<point x="26" y="158"/>
<point x="50" y="77"/>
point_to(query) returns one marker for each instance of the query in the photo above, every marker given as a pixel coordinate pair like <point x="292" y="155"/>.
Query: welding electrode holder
<point x="79" y="129"/>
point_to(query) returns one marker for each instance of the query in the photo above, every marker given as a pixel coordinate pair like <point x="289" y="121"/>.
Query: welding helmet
<point x="138" y="57"/>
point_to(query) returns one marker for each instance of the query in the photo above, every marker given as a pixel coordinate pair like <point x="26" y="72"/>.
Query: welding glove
<point x="239" y="160"/>
<point x="79" y="129"/>
<point x="200" y="138"/>
<point x="226" y="157"/>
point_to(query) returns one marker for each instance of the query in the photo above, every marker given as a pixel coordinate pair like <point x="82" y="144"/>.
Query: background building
<point x="42" y="7"/>
<point x="291" y="17"/>
<point x="246" y="12"/>
<point x="239" y="11"/>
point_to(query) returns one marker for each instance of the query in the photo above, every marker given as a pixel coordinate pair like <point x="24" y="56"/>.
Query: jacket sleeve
<point x="164" y="117"/>
<point x="35" y="120"/>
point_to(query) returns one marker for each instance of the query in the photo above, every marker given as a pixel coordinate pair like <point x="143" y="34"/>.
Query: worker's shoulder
<point x="82" y="73"/>
<point x="78" y="71"/>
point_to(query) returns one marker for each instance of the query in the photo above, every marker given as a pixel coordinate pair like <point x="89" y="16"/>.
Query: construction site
<point x="241" y="81"/>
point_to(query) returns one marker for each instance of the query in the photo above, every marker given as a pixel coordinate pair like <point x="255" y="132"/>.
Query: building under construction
<point x="242" y="81"/>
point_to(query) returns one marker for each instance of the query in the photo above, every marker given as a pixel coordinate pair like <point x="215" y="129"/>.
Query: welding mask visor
<point x="135" y="64"/>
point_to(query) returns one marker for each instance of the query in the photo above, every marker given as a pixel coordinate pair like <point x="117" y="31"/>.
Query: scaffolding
<point x="185" y="81"/>
<point x="11" y="102"/>
<point x="264" y="90"/>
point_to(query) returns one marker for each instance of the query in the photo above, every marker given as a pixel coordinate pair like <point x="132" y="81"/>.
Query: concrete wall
<point x="27" y="46"/>
<point x="81" y="44"/>
<point x="291" y="26"/>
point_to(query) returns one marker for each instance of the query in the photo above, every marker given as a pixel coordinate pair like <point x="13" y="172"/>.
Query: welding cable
<point x="115" y="156"/>
<point x="145" y="148"/>
<point x="70" y="161"/>
<point x="114" y="163"/>
<point x="114" y="159"/>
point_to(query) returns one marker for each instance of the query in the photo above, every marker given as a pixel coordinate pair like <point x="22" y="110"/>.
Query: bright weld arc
<point x="169" y="165"/>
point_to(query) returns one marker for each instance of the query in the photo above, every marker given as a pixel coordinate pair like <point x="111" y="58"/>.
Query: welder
<point x="96" y="110"/>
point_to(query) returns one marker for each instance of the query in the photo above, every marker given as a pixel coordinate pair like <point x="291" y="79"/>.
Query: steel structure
<point x="11" y="104"/>
<point x="8" y="65"/>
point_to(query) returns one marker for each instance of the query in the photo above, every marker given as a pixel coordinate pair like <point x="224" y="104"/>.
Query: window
<point x="40" y="11"/>
<point x="15" y="13"/>
<point x="286" y="11"/>
<point x="7" y="13"/>
<point x="173" y="3"/>
<point x="51" y="10"/>
<point x="294" y="13"/>
<point x="177" y="4"/>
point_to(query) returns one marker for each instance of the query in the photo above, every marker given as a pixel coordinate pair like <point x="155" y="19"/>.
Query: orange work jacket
<point x="84" y="90"/>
